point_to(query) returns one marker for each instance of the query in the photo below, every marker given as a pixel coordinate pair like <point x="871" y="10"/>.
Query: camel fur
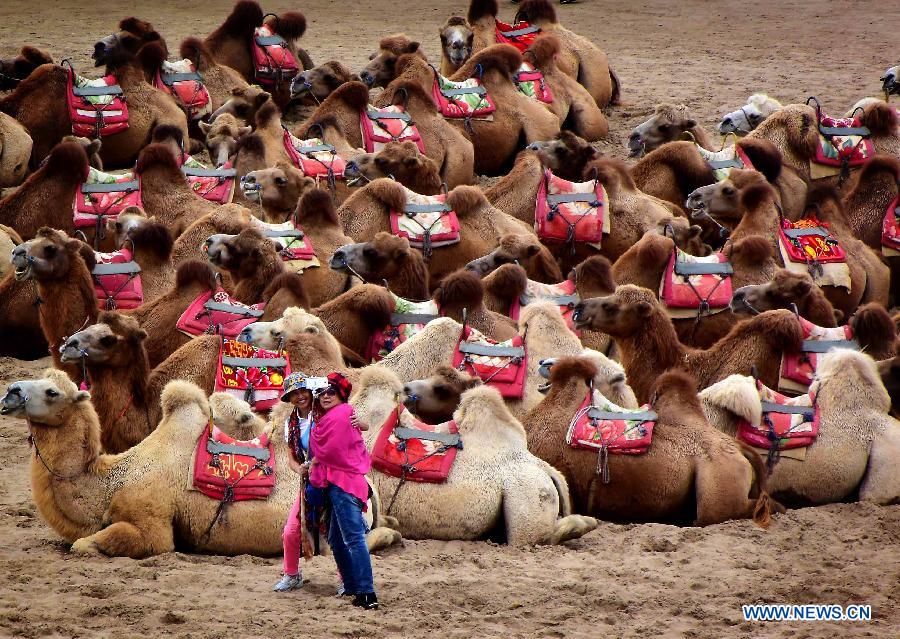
<point x="279" y="189"/>
<point x="382" y="66"/>
<point x="522" y="249"/>
<point x="151" y="244"/>
<point x="435" y="398"/>
<point x="250" y="259"/>
<point x="456" y="44"/>
<point x="742" y="121"/>
<point x="314" y="85"/>
<point x="387" y="259"/>
<point x="15" y="152"/>
<point x="400" y="161"/>
<point x="14" y="70"/>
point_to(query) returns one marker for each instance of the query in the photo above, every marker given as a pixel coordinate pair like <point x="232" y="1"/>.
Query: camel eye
<point x="370" y="253"/>
<point x="728" y="191"/>
<point x="280" y="181"/>
<point x="441" y="391"/>
<point x="50" y="250"/>
<point x="107" y="340"/>
<point x="52" y="393"/>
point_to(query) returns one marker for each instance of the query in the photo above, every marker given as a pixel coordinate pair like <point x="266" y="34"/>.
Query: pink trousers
<point x="291" y="539"/>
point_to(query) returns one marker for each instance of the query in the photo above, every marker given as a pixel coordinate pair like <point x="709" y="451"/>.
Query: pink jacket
<point x="340" y="454"/>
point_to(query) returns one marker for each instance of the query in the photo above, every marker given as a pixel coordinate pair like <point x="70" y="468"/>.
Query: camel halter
<point x="37" y="453"/>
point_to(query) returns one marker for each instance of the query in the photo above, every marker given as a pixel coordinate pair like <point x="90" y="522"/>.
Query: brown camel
<point x="229" y="218"/>
<point x="15" y="151"/>
<point x="435" y="399"/>
<point x="19" y="320"/>
<point x="46" y="197"/>
<point x="456" y="44"/>
<point x="314" y="85"/>
<point x="711" y="482"/>
<point x="151" y="244"/>
<point x="649" y="346"/>
<point x="14" y="70"/>
<point x="230" y="43"/>
<point x="567" y="155"/>
<point x="382" y="67"/>
<point x="278" y="189"/>
<point x="461" y="295"/>
<point x="243" y="104"/>
<point x="399" y="160"/>
<point x="786" y="289"/>
<point x="250" y="258"/>
<point x="669" y="122"/>
<point x="221" y="137"/>
<point x="867" y="196"/>
<point x="522" y="249"/>
<point x="386" y="259"/>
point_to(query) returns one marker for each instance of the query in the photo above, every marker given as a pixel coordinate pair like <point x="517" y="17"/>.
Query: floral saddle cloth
<point x="388" y="124"/>
<point x="843" y="142"/>
<point x="183" y="82"/>
<point x="530" y="81"/>
<point x="600" y="424"/>
<point x="696" y="285"/>
<point x="217" y="314"/>
<point x="215" y="185"/>
<point x="564" y="295"/>
<point x="426" y="221"/>
<point x="808" y="245"/>
<point x="315" y="157"/>
<point x="273" y="62"/>
<point x="102" y="196"/>
<point x="465" y="99"/>
<point x="503" y="365"/>
<point x="414" y="450"/>
<point x="97" y="108"/>
<point x="786" y="423"/>
<point x="890" y="230"/>
<point x="252" y="374"/>
<point x="521" y="35"/>
<point x="798" y="369"/>
<point x="407" y="319"/>
<point x="117" y="280"/>
<point x="722" y="162"/>
<point x="297" y="251"/>
<point x="232" y="470"/>
<point x="568" y="212"/>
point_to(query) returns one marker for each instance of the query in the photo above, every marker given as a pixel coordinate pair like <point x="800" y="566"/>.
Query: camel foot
<point x="390" y="522"/>
<point x="85" y="546"/>
<point x="572" y="527"/>
<point x="382" y="537"/>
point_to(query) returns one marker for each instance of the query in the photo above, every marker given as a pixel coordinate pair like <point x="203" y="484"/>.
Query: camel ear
<point x="531" y="250"/>
<point x="244" y="130"/>
<point x="412" y="47"/>
<point x="205" y="127"/>
<point x="690" y="123"/>
<point x="803" y="288"/>
<point x="838" y="316"/>
<point x="643" y="309"/>
<point x="81" y="396"/>
<point x="261" y="99"/>
<point x="410" y="161"/>
<point x="86" y="252"/>
<point x="94" y="147"/>
<point x="695" y="230"/>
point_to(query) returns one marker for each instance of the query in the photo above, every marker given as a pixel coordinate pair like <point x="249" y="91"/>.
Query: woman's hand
<point x="294" y="465"/>
<point x="357" y="423"/>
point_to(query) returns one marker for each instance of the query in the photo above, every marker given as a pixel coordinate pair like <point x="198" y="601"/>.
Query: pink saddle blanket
<point x="216" y="313"/>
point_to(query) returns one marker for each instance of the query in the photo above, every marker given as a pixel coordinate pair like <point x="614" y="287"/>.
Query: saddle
<point x="217" y="314"/>
<point x="117" y="280"/>
<point x="228" y="470"/>
<point x="798" y="369"/>
<point x="183" y="82"/>
<point x="388" y="124"/>
<point x="407" y="319"/>
<point x="694" y="286"/>
<point x="503" y="365"/>
<point x="97" y="108"/>
<point x="843" y="142"/>
<point x="467" y="99"/>
<point x="568" y="212"/>
<point x="316" y="158"/>
<point x="564" y="295"/>
<point x="102" y="196"/>
<point x="600" y="425"/>
<point x="722" y="162"/>
<point x="252" y="374"/>
<point x="808" y="245"/>
<point x="215" y="185"/>
<point x="890" y="230"/>
<point x="426" y="221"/>
<point x="520" y="35"/>
<point x="273" y="62"/>
<point x="413" y="450"/>
<point x="530" y="81"/>
<point x="787" y="423"/>
<point x="298" y="253"/>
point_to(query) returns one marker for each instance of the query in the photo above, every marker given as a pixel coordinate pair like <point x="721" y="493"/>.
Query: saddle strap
<point x="388" y="115"/>
<point x="520" y="32"/>
<point x="272" y="40"/>
<point x="476" y="90"/>
<point x="772" y="407"/>
<point x="198" y="172"/>
<point x="230" y="308"/>
<point x="629" y="416"/>
<point x="218" y="448"/>
<point x="122" y="268"/>
<point x="411" y="318"/>
<point x="171" y="78"/>
<point x="563" y="198"/>
<point x="448" y="439"/>
<point x="317" y="148"/>
<point x="414" y="209"/>
<point x="795" y="233"/>
<point x="733" y="163"/>
<point x="559" y="300"/>
<point x="113" y="187"/>
<point x="297" y="233"/>
<point x="823" y="346"/>
<point x="829" y="131"/>
<point x="254" y="362"/>
<point x="89" y="91"/>
<point x="703" y="268"/>
<point x="489" y="350"/>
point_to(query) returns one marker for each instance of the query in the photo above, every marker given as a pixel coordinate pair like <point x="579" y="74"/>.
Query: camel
<point x="567" y="155"/>
<point x="580" y="58"/>
<point x="461" y="295"/>
<point x="745" y="196"/>
<point x="713" y="481"/>
<point x="39" y="104"/>
<point x="387" y="259"/>
<point x="15" y="152"/>
<point x="230" y="44"/>
<point x="867" y="196"/>
<point x="668" y="123"/>
<point x="649" y="346"/>
<point x="522" y="249"/>
<point x="436" y="398"/>
<point x="229" y="218"/>
<point x="367" y="211"/>
<point x="314" y="85"/>
<point x="19" y="319"/>
<point x="278" y="189"/>
<point x="381" y="69"/>
<point x="14" y="70"/>
<point x="534" y="497"/>
<point x="858" y="443"/>
<point x="250" y="259"/>
<point x="444" y="144"/>
<point x="243" y="104"/>
<point x="743" y="120"/>
<point x="221" y="137"/>
<point x="149" y="507"/>
<point x="151" y="244"/>
<point x="400" y="161"/>
<point x="456" y="44"/>
<point x="46" y="196"/>
<point x="9" y="240"/>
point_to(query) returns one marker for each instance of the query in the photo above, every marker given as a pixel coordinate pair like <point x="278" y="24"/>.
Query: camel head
<point x="14" y="70"/>
<point x="852" y="377"/>
<point x="91" y="148"/>
<point x="242" y="254"/>
<point x="667" y="124"/>
<point x="401" y="161"/>
<point x="890" y="82"/>
<point x="122" y="45"/>
<point x="524" y="250"/>
<point x="591" y="367"/>
<point x="314" y="85"/>
<point x="619" y="315"/>
<point x="134" y="228"/>
<point x="728" y="199"/>
<point x="456" y="40"/>
<point x="382" y="67"/>
<point x="272" y="335"/>
<point x="382" y="258"/>
<point x="278" y="188"/>
<point x="49" y="256"/>
<point x="243" y="104"/>
<point x="46" y="401"/>
<point x="234" y="417"/>
<point x="889" y="370"/>
<point x="435" y="398"/>
<point x="112" y="341"/>
<point x="784" y="290"/>
<point x="222" y="135"/>
<point x="745" y="119"/>
<point x="172" y="137"/>
<point x="566" y="154"/>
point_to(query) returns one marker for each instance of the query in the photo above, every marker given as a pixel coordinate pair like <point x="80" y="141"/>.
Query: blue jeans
<point x="347" y="538"/>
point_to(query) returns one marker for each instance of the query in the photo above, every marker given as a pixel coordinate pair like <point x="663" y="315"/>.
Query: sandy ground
<point x="625" y="581"/>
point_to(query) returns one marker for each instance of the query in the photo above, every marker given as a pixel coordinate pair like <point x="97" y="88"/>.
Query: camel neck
<point x="650" y="351"/>
<point x="67" y="305"/>
<point x="760" y="220"/>
<point x="525" y="177"/>
<point x="120" y="396"/>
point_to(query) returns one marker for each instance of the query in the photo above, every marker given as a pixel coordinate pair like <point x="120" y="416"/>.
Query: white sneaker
<point x="289" y="582"/>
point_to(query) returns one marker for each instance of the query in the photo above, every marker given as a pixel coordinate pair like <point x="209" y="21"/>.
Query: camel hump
<point x="195" y="50"/>
<point x="537" y="11"/>
<point x="195" y="272"/>
<point x="460" y="289"/>
<point x="480" y="8"/>
<point x="737" y="394"/>
<point x="544" y="48"/>
<point x="242" y="21"/>
<point x="185" y="403"/>
<point x="503" y="58"/>
<point x="466" y="200"/>
<point x="291" y="25"/>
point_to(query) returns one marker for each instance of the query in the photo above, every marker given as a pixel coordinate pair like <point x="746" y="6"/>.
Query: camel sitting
<point x="400" y="161"/>
<point x="314" y="85"/>
<point x="382" y="67"/>
<point x="649" y="346"/>
<point x="278" y="189"/>
<point x="524" y="250"/>
<point x="387" y="259"/>
<point x="456" y="44"/>
<point x="149" y="506"/>
<point x="668" y="123"/>
<point x="151" y="244"/>
<point x="436" y="398"/>
<point x="15" y="151"/>
<point x="533" y="495"/>
<point x="714" y="481"/>
<point x="222" y="135"/>
<point x="251" y="260"/>
<point x="19" y="319"/>
<point x="461" y="294"/>
<point x="867" y="196"/>
<point x="14" y="70"/>
<point x="567" y="155"/>
<point x="742" y="121"/>
<point x="857" y="446"/>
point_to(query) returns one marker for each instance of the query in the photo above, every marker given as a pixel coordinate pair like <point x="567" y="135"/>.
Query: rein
<point x="37" y="452"/>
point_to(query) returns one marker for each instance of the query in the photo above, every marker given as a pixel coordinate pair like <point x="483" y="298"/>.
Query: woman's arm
<point x="294" y="465"/>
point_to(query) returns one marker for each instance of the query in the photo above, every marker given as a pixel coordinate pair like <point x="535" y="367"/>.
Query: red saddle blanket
<point x="503" y="365"/>
<point x="786" y="423"/>
<point x="570" y="211"/>
<point x="531" y="82"/>
<point x="216" y="313"/>
<point x="388" y="124"/>
<point x="407" y="319"/>
<point x="697" y="283"/>
<point x="564" y="295"/>
<point x="842" y="141"/>
<point x="810" y="240"/>
<point x="273" y="62"/>
<point x="426" y="221"/>
<point x="414" y="450"/>
<point x="520" y="35"/>
<point x="252" y="374"/>
<point x="601" y="425"/>
<point x="183" y="82"/>
<point x="97" y="108"/>
<point x="102" y="196"/>
<point x="798" y="369"/>
<point x="890" y="230"/>
<point x="316" y="158"/>
<point x="466" y="99"/>
<point x="117" y="280"/>
<point x="215" y="185"/>
<point x="231" y="470"/>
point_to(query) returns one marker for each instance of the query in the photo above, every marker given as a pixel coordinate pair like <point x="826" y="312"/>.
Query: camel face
<point x="272" y="335"/>
<point x="785" y="289"/>
<point x="399" y="160"/>
<point x="242" y="253"/>
<point x="667" y="124"/>
<point x="513" y="249"/>
<point x="222" y="134"/>
<point x="128" y="222"/>
<point x="97" y="343"/>
<point x="234" y="417"/>
<point x="741" y="121"/>
<point x="374" y="261"/>
<point x="434" y="399"/>
<point x="45" y="257"/>
<point x="619" y="314"/>
<point x="721" y="199"/>
<point x="278" y="188"/>
<point x="891" y="81"/>
<point x="456" y="41"/>
<point x="44" y="401"/>
<point x="243" y="104"/>
<point x="314" y="85"/>
<point x="381" y="69"/>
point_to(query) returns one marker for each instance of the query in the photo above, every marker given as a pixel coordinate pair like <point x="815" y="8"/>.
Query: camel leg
<point x="124" y="539"/>
<point x="881" y="485"/>
<point x="382" y="537"/>
<point x="572" y="527"/>
<point x="722" y="488"/>
<point x="588" y="120"/>
<point x="530" y="506"/>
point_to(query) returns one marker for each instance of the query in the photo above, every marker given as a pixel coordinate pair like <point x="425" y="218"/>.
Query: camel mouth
<point x="338" y="263"/>
<point x="300" y="87"/>
<point x="13" y="401"/>
<point x="891" y="85"/>
<point x="457" y="57"/>
<point x="544" y="388"/>
<point x="24" y="272"/>
<point x="636" y="152"/>
<point x="69" y="353"/>
<point x="696" y="206"/>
